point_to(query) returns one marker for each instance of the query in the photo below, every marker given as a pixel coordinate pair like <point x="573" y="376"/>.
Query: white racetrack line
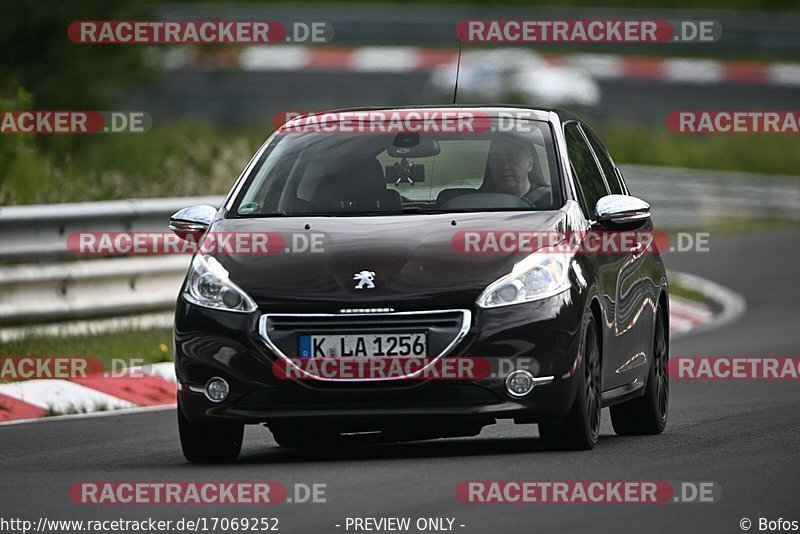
<point x="109" y="413"/>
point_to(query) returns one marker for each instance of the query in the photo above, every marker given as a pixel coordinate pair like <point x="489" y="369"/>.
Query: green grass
<point x="732" y="226"/>
<point x="151" y="346"/>
<point x="639" y="144"/>
<point x="76" y="410"/>
<point x="677" y="290"/>
<point x="179" y="159"/>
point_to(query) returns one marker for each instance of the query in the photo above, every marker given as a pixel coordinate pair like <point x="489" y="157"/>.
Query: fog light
<point x="217" y="390"/>
<point x="519" y="383"/>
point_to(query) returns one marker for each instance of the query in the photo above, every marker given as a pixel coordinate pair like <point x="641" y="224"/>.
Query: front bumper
<point x="542" y="337"/>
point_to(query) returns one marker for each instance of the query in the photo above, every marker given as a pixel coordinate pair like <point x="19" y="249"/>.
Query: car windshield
<point x="506" y="166"/>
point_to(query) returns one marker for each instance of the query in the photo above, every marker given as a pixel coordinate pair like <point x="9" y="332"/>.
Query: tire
<point x="580" y="428"/>
<point x="648" y="414"/>
<point x="209" y="443"/>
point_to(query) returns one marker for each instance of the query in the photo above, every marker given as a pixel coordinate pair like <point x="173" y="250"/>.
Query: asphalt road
<point x="742" y="435"/>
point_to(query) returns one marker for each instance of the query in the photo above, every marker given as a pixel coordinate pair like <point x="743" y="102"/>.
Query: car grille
<point x="444" y="328"/>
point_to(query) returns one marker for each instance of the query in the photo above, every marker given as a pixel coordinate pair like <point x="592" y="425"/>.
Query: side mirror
<point x="618" y="210"/>
<point x="193" y="220"/>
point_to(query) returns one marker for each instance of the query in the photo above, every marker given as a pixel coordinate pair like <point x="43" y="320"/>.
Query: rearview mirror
<point x="192" y="220"/>
<point x="617" y="210"/>
<point x="408" y="146"/>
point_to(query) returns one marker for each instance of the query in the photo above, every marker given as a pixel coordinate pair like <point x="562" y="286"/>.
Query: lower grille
<point x="440" y="395"/>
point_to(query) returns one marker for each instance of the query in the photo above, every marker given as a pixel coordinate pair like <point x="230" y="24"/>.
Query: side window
<point x="588" y="174"/>
<point x="609" y="169"/>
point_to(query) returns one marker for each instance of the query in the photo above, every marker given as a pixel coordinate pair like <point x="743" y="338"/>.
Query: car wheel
<point x="206" y="443"/>
<point x="580" y="428"/>
<point x="647" y="415"/>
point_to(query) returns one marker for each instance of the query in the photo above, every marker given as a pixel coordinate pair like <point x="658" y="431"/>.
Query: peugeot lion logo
<point x="364" y="279"/>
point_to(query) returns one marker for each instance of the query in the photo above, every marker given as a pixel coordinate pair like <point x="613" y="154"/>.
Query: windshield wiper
<point x="354" y="213"/>
<point x="401" y="211"/>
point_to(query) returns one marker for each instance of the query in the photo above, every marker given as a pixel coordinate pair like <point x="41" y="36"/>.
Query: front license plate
<point x="347" y="345"/>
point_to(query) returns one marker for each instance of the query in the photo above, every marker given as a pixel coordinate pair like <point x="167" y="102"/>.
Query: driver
<point x="510" y="165"/>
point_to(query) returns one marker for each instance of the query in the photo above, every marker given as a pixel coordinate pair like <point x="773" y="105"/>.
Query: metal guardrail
<point x="694" y="198"/>
<point x="31" y="294"/>
<point x="84" y="296"/>
<point x="40" y="231"/>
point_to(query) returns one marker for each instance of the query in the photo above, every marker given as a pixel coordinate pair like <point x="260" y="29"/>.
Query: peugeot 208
<point x="408" y="237"/>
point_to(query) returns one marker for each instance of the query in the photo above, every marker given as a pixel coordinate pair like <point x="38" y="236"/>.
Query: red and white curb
<point x="148" y="386"/>
<point x="686" y="70"/>
<point x="400" y="59"/>
<point x="730" y="306"/>
<point x="154" y="386"/>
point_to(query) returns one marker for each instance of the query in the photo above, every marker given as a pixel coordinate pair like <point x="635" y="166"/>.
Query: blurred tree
<point x="36" y="55"/>
<point x="40" y="68"/>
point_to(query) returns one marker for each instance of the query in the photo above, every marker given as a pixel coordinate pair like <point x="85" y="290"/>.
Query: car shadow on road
<point x="410" y="449"/>
<point x="441" y="448"/>
<point x="272" y="454"/>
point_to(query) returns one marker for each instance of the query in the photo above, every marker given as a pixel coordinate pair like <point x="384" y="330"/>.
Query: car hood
<point x="412" y="257"/>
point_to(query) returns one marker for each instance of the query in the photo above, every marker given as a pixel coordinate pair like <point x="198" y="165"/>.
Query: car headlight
<point x="538" y="276"/>
<point x="208" y="285"/>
